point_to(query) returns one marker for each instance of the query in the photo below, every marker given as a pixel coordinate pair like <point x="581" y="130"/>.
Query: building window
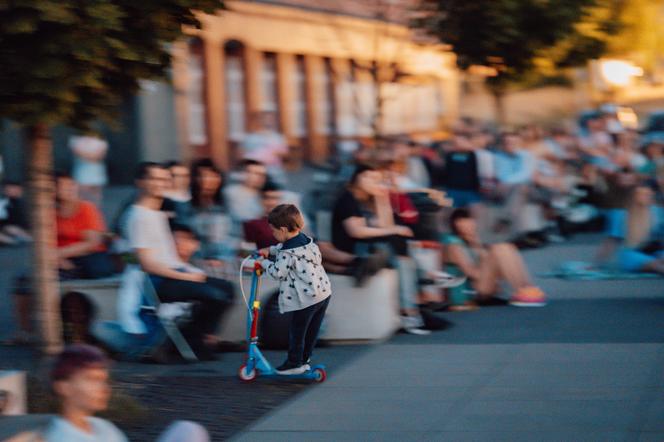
<point x="346" y="104"/>
<point x="269" y="94"/>
<point x="235" y="90"/>
<point x="299" y="123"/>
<point x="326" y="104"/>
<point x="197" y="121"/>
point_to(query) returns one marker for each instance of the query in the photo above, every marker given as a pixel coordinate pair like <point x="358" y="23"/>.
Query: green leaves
<point x="510" y="35"/>
<point x="72" y="61"/>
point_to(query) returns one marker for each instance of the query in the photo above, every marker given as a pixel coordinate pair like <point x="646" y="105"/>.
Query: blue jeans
<point x="303" y="332"/>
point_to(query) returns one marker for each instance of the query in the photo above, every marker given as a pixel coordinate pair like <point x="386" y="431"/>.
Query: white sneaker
<point x="413" y="325"/>
<point x="291" y="370"/>
<point x="444" y="280"/>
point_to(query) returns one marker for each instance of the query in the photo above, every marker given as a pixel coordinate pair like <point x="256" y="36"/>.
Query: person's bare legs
<point x="510" y="265"/>
<point x="487" y="283"/>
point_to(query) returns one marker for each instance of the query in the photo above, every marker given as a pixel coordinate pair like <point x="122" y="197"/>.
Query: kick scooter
<point x="256" y="364"/>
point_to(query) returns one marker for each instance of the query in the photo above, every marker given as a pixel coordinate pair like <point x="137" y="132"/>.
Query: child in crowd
<point x="304" y="287"/>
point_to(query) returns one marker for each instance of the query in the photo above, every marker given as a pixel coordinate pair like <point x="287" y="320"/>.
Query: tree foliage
<point x="513" y="36"/>
<point x="73" y="61"/>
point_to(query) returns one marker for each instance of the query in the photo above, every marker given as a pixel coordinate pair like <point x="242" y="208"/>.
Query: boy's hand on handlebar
<point x="264" y="253"/>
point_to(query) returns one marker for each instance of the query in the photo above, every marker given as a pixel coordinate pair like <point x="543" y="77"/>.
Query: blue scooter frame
<point x="256" y="364"/>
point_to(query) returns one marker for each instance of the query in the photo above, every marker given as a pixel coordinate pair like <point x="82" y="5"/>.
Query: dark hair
<point x="196" y="166"/>
<point x="75" y="358"/>
<point x="183" y="228"/>
<point x="172" y="163"/>
<point x="457" y="214"/>
<point x="249" y="162"/>
<point x="359" y="170"/>
<point x="270" y="187"/>
<point x="58" y="174"/>
<point x="143" y="169"/>
<point x="286" y="215"/>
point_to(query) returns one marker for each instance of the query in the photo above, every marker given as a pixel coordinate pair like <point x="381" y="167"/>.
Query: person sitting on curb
<point x="81" y="249"/>
<point x="174" y="280"/>
<point x="486" y="266"/>
<point x="336" y="261"/>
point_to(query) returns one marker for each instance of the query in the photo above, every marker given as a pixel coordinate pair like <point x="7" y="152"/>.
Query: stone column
<point x="216" y="102"/>
<point x="318" y="144"/>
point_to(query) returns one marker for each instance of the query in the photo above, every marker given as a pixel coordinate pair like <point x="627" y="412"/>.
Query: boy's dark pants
<point x="304" y="331"/>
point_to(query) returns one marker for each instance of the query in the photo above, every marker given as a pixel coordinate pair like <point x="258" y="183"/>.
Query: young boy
<point x="304" y="287"/>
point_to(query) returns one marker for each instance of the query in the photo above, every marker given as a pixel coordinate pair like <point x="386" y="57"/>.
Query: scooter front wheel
<point x="247" y="375"/>
<point x="320" y="375"/>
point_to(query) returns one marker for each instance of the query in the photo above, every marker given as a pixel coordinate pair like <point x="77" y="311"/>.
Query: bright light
<point x="619" y="73"/>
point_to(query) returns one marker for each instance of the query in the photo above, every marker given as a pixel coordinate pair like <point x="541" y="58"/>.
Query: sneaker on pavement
<point x="414" y="325"/>
<point x="444" y="280"/>
<point x="529" y="297"/>
<point x="290" y="368"/>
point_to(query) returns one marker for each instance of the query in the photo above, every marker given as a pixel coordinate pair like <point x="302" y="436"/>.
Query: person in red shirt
<point x="258" y="230"/>
<point x="81" y="252"/>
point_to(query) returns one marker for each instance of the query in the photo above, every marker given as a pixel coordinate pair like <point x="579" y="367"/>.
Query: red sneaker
<point x="529" y="297"/>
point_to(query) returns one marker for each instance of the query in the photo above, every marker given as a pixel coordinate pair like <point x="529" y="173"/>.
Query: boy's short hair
<point x="286" y="215"/>
<point x="75" y="358"/>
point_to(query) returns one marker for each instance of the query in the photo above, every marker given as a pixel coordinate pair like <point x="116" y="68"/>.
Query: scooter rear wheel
<point x="319" y="375"/>
<point x="245" y="375"/>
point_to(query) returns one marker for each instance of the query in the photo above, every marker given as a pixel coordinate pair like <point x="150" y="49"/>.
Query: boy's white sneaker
<point x="290" y="368"/>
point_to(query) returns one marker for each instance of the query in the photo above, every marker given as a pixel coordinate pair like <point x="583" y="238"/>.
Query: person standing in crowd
<point x="89" y="152"/>
<point x="266" y="145"/>
<point x="174" y="280"/>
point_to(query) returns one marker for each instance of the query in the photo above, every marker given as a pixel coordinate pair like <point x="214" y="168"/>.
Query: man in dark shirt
<point x="462" y="180"/>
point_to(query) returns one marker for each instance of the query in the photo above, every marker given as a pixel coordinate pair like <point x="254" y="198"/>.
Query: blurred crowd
<point x="450" y="217"/>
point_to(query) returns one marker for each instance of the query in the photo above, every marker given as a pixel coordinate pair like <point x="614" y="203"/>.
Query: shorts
<point x="615" y="223"/>
<point x="632" y="260"/>
<point x="463" y="198"/>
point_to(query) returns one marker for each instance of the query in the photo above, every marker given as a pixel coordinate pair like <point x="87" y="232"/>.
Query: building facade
<point x="329" y="70"/>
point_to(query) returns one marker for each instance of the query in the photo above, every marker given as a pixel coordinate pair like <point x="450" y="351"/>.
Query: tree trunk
<point x="499" y="106"/>
<point x="42" y="207"/>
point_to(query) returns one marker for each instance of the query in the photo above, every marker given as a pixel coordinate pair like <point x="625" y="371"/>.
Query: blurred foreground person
<point x="80" y="381"/>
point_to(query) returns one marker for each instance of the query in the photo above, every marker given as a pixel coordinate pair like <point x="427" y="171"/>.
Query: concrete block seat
<point x="363" y="313"/>
<point x="370" y="312"/>
<point x="101" y="292"/>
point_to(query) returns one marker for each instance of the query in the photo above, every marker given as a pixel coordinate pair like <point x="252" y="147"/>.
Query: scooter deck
<point x="309" y="374"/>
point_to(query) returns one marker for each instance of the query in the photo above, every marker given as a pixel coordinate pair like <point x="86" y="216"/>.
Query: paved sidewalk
<point x="590" y="366"/>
